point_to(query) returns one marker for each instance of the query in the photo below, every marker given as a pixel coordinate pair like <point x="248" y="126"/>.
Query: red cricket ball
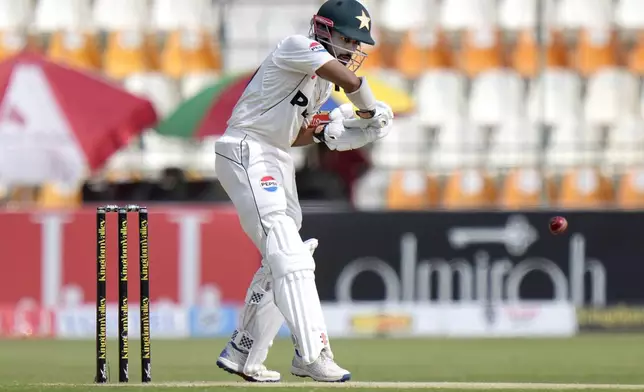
<point x="558" y="225"/>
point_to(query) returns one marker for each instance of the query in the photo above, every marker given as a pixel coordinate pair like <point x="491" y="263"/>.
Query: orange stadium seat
<point x="584" y="188"/>
<point x="415" y="56"/>
<point x="13" y="42"/>
<point x="22" y="194"/>
<point x="383" y="55"/>
<point x="374" y="57"/>
<point x="469" y="189"/>
<point x="187" y="52"/>
<point x="481" y="50"/>
<point x="630" y="192"/>
<point x="151" y="48"/>
<point x="75" y="48"/>
<point x="52" y="196"/>
<point x="412" y="190"/>
<point x="635" y="58"/>
<point x="525" y="188"/>
<point x="127" y="53"/>
<point x="374" y="60"/>
<point x="526" y="54"/>
<point x="596" y="49"/>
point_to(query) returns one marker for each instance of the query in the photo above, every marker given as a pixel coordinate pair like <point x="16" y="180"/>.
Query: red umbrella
<point x="56" y="121"/>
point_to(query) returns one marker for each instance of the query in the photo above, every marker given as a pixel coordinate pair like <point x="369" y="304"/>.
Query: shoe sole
<point x="225" y="368"/>
<point x="345" y="378"/>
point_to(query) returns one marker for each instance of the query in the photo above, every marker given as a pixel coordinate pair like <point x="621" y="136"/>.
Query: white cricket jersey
<point x="283" y="92"/>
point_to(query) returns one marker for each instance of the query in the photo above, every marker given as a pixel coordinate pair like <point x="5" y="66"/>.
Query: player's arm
<point x="305" y="136"/>
<point x="357" y="89"/>
<point x="337" y="73"/>
<point x="371" y="113"/>
<point x="301" y="54"/>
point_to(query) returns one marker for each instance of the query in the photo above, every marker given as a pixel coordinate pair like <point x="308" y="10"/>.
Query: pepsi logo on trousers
<point x="268" y="184"/>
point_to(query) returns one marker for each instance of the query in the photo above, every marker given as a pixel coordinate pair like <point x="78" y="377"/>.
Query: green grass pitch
<point x="588" y="362"/>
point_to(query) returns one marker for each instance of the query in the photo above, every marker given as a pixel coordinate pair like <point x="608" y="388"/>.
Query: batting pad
<point x="294" y="289"/>
<point x="259" y="321"/>
<point x="297" y="298"/>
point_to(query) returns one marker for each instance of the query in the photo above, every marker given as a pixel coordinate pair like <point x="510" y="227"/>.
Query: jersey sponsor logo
<point x="317" y="47"/>
<point x="268" y="183"/>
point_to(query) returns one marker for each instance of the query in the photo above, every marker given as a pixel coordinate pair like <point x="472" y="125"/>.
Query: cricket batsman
<point x="255" y="168"/>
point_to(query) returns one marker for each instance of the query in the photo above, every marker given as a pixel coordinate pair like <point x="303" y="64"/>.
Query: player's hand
<point x="382" y="117"/>
<point x="335" y="128"/>
<point x="331" y="131"/>
<point x="340" y="138"/>
<point x="342" y="112"/>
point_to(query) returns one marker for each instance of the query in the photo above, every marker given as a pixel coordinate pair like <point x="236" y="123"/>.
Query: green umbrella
<point x="206" y="113"/>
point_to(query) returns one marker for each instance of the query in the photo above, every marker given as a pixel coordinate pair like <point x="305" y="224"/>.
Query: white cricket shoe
<point x="232" y="360"/>
<point x="324" y="368"/>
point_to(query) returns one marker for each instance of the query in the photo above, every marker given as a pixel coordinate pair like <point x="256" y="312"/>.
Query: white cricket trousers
<point x="260" y="181"/>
